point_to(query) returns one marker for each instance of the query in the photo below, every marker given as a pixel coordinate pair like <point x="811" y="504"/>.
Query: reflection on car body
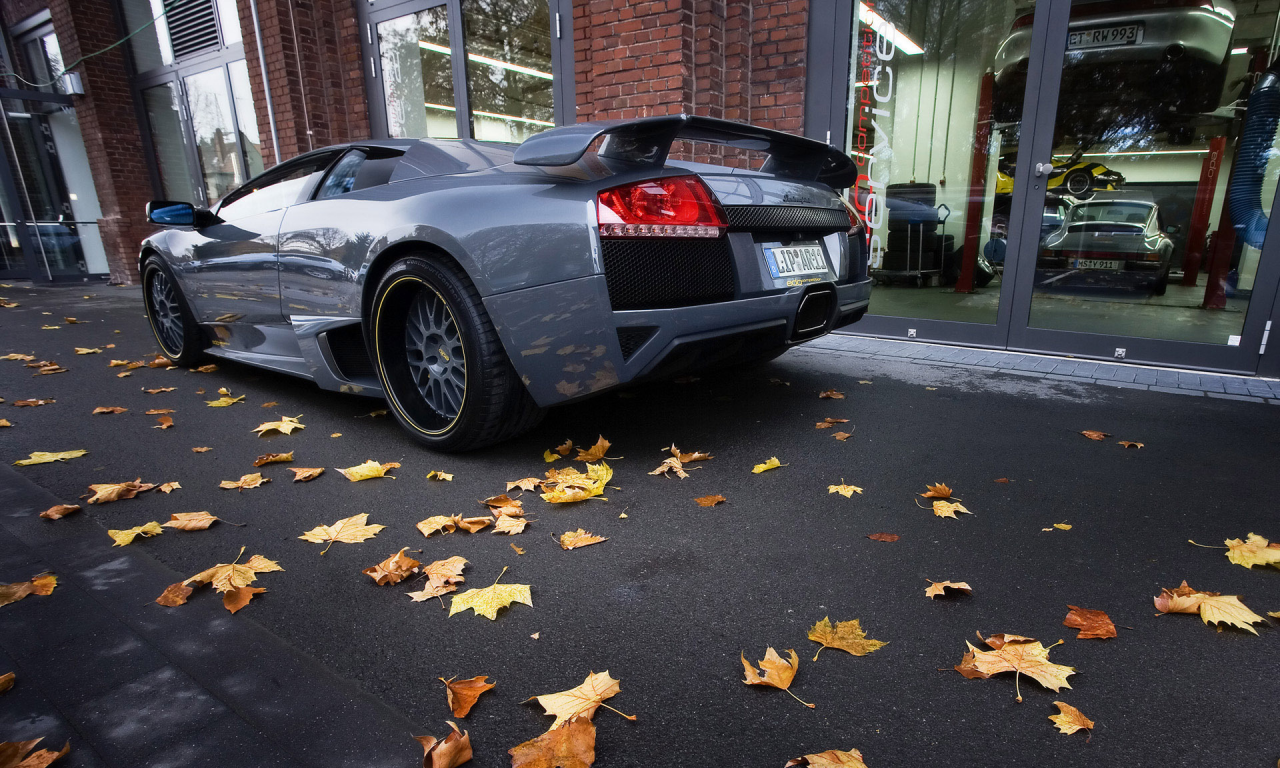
<point x="1113" y="240"/>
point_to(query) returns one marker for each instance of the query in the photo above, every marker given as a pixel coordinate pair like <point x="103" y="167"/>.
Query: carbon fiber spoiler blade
<point x="648" y="140"/>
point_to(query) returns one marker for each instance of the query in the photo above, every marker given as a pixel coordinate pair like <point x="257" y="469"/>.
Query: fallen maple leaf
<point x="774" y="671"/>
<point x="829" y="422"/>
<point x="17" y="356"/>
<point x="109" y="409"/>
<point x="164" y="422"/>
<point x="273" y="458"/>
<point x="888" y="537"/>
<point x="510" y="525"/>
<point x="443" y="576"/>
<point x="1214" y="608"/>
<point x="158" y="411"/>
<point x="46" y="457"/>
<point x="126" y="537"/>
<point x="846" y="491"/>
<point x="167" y="488"/>
<point x="1069" y="719"/>
<point x="349" y="530"/>
<point x="842" y="436"/>
<point x="488" y="601"/>
<point x="524" y="484"/>
<point x="159" y="362"/>
<point x="504" y="505"/>
<point x="210" y="368"/>
<point x="568" y="485"/>
<point x="710" y="501"/>
<point x="41" y="584"/>
<point x="368" y="470"/>
<point x="87" y="350"/>
<point x="549" y="457"/>
<point x="581" y="701"/>
<point x="831" y="394"/>
<point x="671" y="465"/>
<point x="948" y="509"/>
<point x="231" y="580"/>
<point x="201" y="450"/>
<point x="937" y="588"/>
<point x="832" y="758"/>
<point x="71" y="321"/>
<point x="1255" y="550"/>
<point x="393" y="570"/>
<point x="59" y="511"/>
<point x="190" y="521"/>
<point x="158" y="390"/>
<point x="1128" y="444"/>
<point x="596" y="452"/>
<point x="13" y="754"/>
<point x="6" y="681"/>
<point x="451" y="751"/>
<point x="1018" y="654"/>
<point x="772" y="463"/>
<point x="939" y="491"/>
<point x="5" y="423"/>
<point x="845" y="635"/>
<point x="107" y="492"/>
<point x="1003" y="480"/>
<point x="436" y="474"/>
<point x="246" y="481"/>
<point x="571" y="745"/>
<point x="1094" y="434"/>
<point x="284" y="426"/>
<point x="1058" y="526"/>
<point x="1092" y="624"/>
<point x="32" y="403"/>
<point x="443" y="524"/>
<point x="686" y="458"/>
<point x="224" y="401"/>
<point x="579" y="538"/>
<point x="270" y="404"/>
<point x="462" y="694"/>
<point x="303" y="474"/>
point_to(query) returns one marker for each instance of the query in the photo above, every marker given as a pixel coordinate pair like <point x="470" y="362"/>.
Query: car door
<point x="231" y="267"/>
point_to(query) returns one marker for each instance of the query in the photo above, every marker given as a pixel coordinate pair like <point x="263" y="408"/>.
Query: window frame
<point x="266" y="178"/>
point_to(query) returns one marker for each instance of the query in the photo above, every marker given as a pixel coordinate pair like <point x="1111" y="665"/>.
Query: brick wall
<point x="314" y="63"/>
<point x="741" y="60"/>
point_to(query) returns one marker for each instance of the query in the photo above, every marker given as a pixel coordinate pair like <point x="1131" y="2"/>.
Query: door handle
<point x="1043" y="169"/>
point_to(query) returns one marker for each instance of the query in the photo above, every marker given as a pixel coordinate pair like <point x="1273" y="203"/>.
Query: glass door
<point x="1158" y="177"/>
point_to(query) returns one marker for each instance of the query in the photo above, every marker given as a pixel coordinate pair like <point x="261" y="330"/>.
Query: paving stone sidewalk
<point x="131" y="683"/>
<point x="1227" y="387"/>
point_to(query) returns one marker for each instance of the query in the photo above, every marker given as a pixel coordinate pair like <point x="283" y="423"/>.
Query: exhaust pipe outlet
<point x="1174" y="52"/>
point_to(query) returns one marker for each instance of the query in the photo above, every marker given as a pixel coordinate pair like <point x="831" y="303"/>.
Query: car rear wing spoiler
<point x="648" y="140"/>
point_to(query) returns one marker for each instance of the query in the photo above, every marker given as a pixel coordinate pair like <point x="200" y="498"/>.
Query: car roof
<point x="1128" y="196"/>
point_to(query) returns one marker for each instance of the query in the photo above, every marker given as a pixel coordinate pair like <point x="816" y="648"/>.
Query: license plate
<point x="795" y="259"/>
<point x="1096" y="264"/>
<point x="1125" y="34"/>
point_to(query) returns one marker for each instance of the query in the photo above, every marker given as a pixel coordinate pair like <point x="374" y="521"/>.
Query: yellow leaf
<point x="948" y="508"/>
<point x="579" y="538"/>
<point x="167" y="488"/>
<point x="45" y="457"/>
<point x="17" y="356"/>
<point x="223" y="402"/>
<point x="939" y="491"/>
<point x="350" y="530"/>
<point x="443" y="576"/>
<point x="368" y="470"/>
<point x="774" y="671"/>
<point x="108" y="409"/>
<point x="488" y="601"/>
<point x="1254" y="551"/>
<point x="436" y="474"/>
<point x="581" y="701"/>
<point x="832" y="758"/>
<point x="5" y="423"/>
<point x="125" y="537"/>
<point x="596" y="452"/>
<point x="87" y="351"/>
<point x="303" y="474"/>
<point x="772" y="463"/>
<point x="525" y="484"/>
<point x="937" y="588"/>
<point x="201" y="450"/>
<point x="41" y="584"/>
<point x="1069" y="719"/>
<point x="1227" y="609"/>
<point x="1014" y="653"/>
<point x="569" y="485"/>
<point x="246" y="481"/>
<point x="846" y="491"/>
<point x="831" y="394"/>
<point x="510" y="525"/>
<point x="1062" y="526"/>
<point x="230" y="579"/>
<point x="190" y="521"/>
<point x="284" y="426"/>
<point x="518" y="550"/>
<point x="105" y="492"/>
<point x="549" y="457"/>
<point x="845" y="635"/>
<point x="394" y="569"/>
<point x="273" y="458"/>
<point x="671" y="465"/>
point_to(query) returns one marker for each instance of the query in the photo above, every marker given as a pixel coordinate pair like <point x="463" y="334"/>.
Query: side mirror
<point x="168" y="213"/>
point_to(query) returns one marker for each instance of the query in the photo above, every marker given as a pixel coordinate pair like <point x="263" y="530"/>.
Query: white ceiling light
<point x="885" y="29"/>
<point x="488" y="61"/>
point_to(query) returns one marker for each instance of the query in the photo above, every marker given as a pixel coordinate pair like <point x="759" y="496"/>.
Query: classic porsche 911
<point x="474" y="284"/>
<point x="1113" y="240"/>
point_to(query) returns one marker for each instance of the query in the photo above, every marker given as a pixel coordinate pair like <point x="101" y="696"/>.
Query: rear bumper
<point x="564" y="340"/>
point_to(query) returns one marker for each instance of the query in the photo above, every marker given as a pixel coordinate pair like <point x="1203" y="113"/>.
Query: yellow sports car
<point x="1070" y="177"/>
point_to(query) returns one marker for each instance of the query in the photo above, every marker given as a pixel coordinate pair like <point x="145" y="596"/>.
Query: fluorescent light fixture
<point x="885" y="29"/>
<point x="1238" y="51"/>
<point x="487" y="61"/>
<point x="871" y="83"/>
<point x="495" y="115"/>
<point x="1151" y="152"/>
<point x="429" y="105"/>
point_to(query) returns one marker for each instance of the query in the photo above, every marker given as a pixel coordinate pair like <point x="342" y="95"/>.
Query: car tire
<point x="445" y="373"/>
<point x="1161" y="284"/>
<point x="171" y="319"/>
<point x="922" y="193"/>
<point x="1079" y="184"/>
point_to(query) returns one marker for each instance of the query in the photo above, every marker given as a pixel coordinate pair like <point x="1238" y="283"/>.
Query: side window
<point x="275" y="190"/>
<point x="342" y="179"/>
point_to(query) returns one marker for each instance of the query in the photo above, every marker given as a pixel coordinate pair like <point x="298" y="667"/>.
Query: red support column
<point x="977" y="186"/>
<point x="1200" y="210"/>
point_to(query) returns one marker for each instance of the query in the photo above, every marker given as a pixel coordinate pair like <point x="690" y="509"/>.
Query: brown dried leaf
<point x="1015" y="653"/>
<point x="210" y="368"/>
<point x="271" y="404"/>
<point x="671" y="465"/>
<point x="41" y="584"/>
<point x="201" y="450"/>
<point x="1127" y="444"/>
<point x="246" y="481"/>
<point x="1069" y="719"/>
<point x="108" y="409"/>
<point x="393" y="570"/>
<point x="939" y="491"/>
<point x="190" y="521"/>
<point x="524" y="484"/>
<point x="845" y="635"/>
<point x="349" y="530"/>
<point x="832" y="758"/>
<point x="948" y="509"/>
<point x="579" y="538"/>
<point x="889" y="537"/>
<point x="273" y="458"/>
<point x="829" y="422"/>
<point x="32" y="403"/>
<point x="564" y="448"/>
<point x="774" y="671"/>
<point x="596" y="452"/>
<point x="710" y="501"/>
<point x="451" y="751"/>
<point x="107" y="492"/>
<point x="237" y="598"/>
<point x="443" y="576"/>
<point x="164" y="422"/>
<point x="437" y="474"/>
<point x="842" y="436"/>
<point x="571" y="745"/>
<point x="368" y="470"/>
<point x="14" y="754"/>
<point x="159" y="411"/>
<point x="462" y="694"/>
<point x="504" y="505"/>
<point x="303" y="474"/>
<point x="1094" y="434"/>
<point x="937" y="588"/>
<point x="1091" y="623"/>
<point x="158" y="390"/>
<point x="687" y="458"/>
<point x="59" y="511"/>
<point x="831" y="394"/>
<point x="6" y="681"/>
<point x="581" y="701"/>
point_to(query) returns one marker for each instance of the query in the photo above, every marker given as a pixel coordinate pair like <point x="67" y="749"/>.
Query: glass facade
<point x="509" y="81"/>
<point x="417" y="75"/>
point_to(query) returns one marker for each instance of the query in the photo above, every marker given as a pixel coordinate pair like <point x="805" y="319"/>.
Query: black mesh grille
<point x="658" y="273"/>
<point x="786" y="218"/>
<point x="192" y="27"/>
<point x="631" y="339"/>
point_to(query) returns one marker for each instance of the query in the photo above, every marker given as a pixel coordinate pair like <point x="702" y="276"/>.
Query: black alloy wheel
<point x="172" y="322"/>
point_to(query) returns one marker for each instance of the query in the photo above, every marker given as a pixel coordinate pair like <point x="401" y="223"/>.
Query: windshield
<point x="1129" y="213"/>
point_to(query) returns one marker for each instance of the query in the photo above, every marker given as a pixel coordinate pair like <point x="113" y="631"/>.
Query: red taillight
<point x="1024" y="20"/>
<point x="675" y="206"/>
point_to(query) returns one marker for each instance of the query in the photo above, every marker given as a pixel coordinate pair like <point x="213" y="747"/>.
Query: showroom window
<point x="483" y="69"/>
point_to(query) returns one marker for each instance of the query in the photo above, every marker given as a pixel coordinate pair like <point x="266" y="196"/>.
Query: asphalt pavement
<point x="678" y="591"/>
